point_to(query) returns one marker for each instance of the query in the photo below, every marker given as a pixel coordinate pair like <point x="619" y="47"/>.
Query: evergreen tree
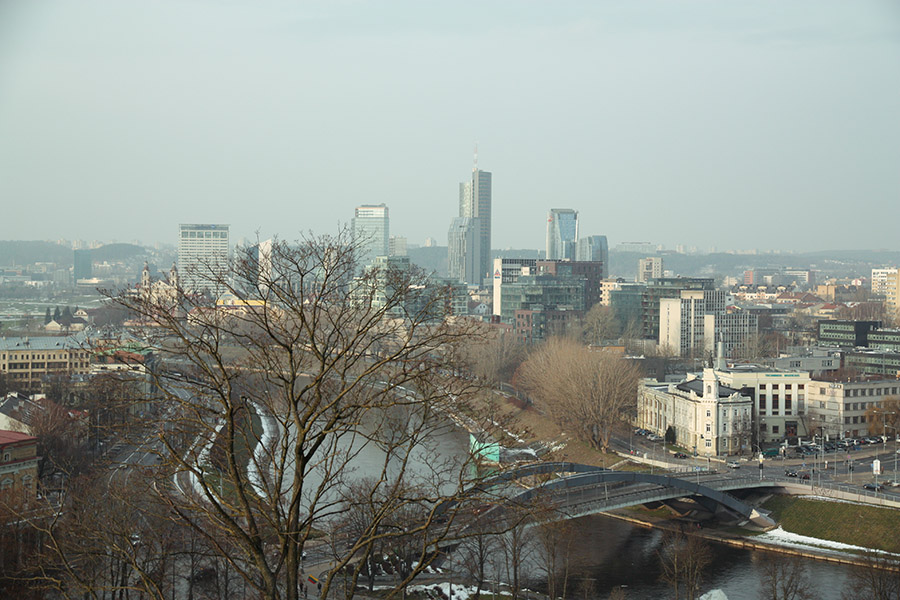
<point x="56" y="314"/>
<point x="67" y="314"/>
<point x="47" y="316"/>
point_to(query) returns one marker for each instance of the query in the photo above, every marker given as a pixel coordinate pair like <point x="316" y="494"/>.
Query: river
<point x="609" y="553"/>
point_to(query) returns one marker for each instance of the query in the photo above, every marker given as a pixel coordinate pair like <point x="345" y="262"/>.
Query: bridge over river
<point x="586" y="490"/>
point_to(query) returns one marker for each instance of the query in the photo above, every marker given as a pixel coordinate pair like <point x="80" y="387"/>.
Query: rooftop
<point x="44" y="343"/>
<point x="12" y="437"/>
<point x="696" y="386"/>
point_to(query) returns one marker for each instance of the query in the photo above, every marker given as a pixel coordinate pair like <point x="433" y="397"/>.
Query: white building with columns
<point x="704" y="415"/>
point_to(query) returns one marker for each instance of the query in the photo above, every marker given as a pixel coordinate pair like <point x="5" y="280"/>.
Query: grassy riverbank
<point x="857" y="524"/>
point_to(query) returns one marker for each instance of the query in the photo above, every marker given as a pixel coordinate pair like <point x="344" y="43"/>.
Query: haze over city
<point x="739" y="125"/>
<point x="449" y="301"/>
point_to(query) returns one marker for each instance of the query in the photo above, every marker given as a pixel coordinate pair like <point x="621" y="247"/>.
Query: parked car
<point x="680" y="455"/>
<point x="654" y="438"/>
<point x="733" y="464"/>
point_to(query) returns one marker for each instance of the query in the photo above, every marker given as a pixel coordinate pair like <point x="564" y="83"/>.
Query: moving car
<point x="874" y="487"/>
<point x="680" y="455"/>
<point x="733" y="464"/>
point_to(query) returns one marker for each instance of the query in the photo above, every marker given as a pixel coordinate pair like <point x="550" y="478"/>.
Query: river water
<point x="609" y="553"/>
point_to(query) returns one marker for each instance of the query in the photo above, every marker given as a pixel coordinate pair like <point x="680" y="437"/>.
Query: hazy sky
<point x="729" y="124"/>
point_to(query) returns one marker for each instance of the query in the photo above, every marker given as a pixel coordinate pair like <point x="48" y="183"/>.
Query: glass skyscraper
<point x="371" y="233"/>
<point x="562" y="233"/>
<point x="475" y="203"/>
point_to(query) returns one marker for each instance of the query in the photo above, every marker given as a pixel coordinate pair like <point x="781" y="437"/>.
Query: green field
<point x="867" y="526"/>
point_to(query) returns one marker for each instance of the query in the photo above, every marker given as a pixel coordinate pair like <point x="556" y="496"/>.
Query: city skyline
<point x="641" y="118"/>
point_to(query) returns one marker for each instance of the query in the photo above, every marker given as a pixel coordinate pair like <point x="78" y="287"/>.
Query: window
<point x="708" y="428"/>
<point x="708" y="443"/>
<point x="801" y="386"/>
<point x="6" y="457"/>
<point x="787" y="402"/>
<point x="762" y="402"/>
<point x="708" y="413"/>
<point x="6" y="483"/>
<point x="774" y="428"/>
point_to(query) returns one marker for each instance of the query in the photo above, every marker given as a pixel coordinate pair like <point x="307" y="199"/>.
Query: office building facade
<point x="475" y="203"/>
<point x="464" y="250"/>
<point x="562" y="233"/>
<point x="650" y="268"/>
<point x="203" y="257"/>
<point x="83" y="265"/>
<point x="594" y="248"/>
<point x="371" y="233"/>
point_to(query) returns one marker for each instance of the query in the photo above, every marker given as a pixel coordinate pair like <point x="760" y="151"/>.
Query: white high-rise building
<point x="562" y="233"/>
<point x="475" y="203"/>
<point x="203" y="257"/>
<point x="371" y="232"/>
<point x="880" y="279"/>
<point x="650" y="268"/>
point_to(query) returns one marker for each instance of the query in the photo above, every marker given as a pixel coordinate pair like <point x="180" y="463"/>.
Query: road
<point x="837" y="471"/>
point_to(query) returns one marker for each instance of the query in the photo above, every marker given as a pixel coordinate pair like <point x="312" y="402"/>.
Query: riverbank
<point x="827" y="523"/>
<point x="729" y="537"/>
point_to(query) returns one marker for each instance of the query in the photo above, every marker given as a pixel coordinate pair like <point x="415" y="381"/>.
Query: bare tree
<point x="517" y="545"/>
<point x="277" y="395"/>
<point x="553" y="547"/>
<point x="683" y="559"/>
<point x="600" y="324"/>
<point x="785" y="578"/>
<point x="877" y="577"/>
<point x="495" y="355"/>
<point x="587" y="393"/>
<point x="476" y="552"/>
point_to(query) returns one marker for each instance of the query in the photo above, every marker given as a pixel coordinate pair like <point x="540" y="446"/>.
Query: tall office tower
<point x="475" y="203"/>
<point x="202" y="257"/>
<point x="650" y="268"/>
<point x="83" y="268"/>
<point x="562" y="233"/>
<point x="594" y="248"/>
<point x="464" y="250"/>
<point x="371" y="232"/>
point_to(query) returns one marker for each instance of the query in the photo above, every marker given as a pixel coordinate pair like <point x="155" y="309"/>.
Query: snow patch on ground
<point x="780" y="537"/>
<point x="460" y="592"/>
<point x="269" y="430"/>
<point x="839" y="500"/>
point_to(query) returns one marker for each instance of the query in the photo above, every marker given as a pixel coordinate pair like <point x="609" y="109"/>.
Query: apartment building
<point x="27" y="361"/>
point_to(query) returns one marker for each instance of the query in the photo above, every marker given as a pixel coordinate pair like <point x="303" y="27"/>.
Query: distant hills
<point x="14" y="253"/>
<point x="835" y="263"/>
